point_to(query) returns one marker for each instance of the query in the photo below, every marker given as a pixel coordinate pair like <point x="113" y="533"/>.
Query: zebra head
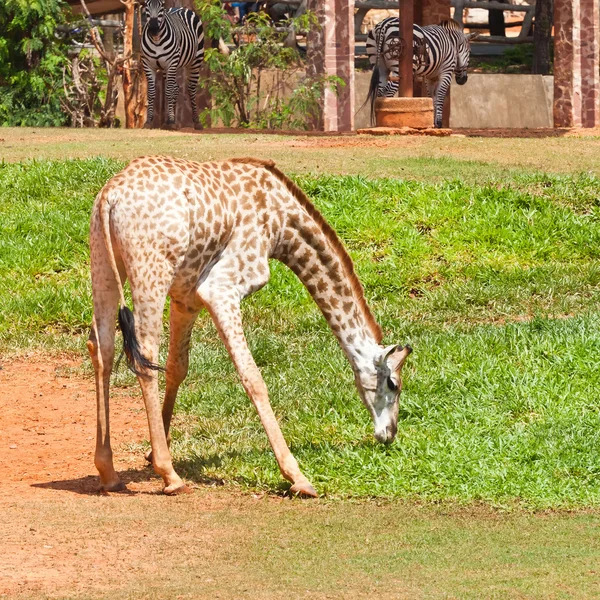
<point x="463" y="49"/>
<point x="154" y="11"/>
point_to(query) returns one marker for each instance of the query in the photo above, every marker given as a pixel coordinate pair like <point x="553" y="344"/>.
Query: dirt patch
<point x="47" y="430"/>
<point x="529" y="133"/>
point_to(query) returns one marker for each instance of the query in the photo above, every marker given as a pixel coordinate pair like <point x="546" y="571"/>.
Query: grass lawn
<point x="494" y="284"/>
<point x="483" y="254"/>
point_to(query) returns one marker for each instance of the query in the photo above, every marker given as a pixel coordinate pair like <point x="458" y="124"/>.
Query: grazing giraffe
<point x="202" y="233"/>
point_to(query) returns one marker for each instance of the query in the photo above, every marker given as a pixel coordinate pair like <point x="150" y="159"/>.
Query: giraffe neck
<point x="326" y="270"/>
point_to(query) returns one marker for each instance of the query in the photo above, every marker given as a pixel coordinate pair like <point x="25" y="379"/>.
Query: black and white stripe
<point x="438" y="52"/>
<point x="171" y="39"/>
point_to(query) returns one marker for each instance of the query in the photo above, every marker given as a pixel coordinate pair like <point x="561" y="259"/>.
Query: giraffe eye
<point x="393" y="387"/>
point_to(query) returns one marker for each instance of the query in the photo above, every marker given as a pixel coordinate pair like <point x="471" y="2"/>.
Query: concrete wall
<point x="521" y="101"/>
<point x="487" y="101"/>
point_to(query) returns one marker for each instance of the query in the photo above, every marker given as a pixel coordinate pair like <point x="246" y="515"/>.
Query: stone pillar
<point x="590" y="64"/>
<point x="331" y="52"/>
<point x="567" y="63"/>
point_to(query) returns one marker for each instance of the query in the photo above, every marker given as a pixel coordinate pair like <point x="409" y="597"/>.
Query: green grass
<point x="496" y="286"/>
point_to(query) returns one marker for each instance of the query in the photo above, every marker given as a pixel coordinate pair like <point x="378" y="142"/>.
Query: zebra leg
<point x="193" y="76"/>
<point x="151" y="79"/>
<point x="383" y="78"/>
<point x="172" y="93"/>
<point x="438" y="89"/>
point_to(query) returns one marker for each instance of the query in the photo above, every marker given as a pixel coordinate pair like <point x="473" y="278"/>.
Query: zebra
<point x="171" y="39"/>
<point x="438" y="51"/>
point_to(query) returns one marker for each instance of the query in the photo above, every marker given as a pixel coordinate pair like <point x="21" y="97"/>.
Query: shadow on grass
<point x="194" y="469"/>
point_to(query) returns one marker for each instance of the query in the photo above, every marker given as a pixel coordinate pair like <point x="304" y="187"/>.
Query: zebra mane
<point x="451" y="24"/>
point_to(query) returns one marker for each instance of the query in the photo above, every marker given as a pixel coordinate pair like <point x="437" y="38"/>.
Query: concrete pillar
<point x="567" y="63"/>
<point x="331" y="52"/>
<point x="590" y="64"/>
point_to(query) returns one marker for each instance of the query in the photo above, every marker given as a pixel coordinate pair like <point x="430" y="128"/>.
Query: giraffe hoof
<point x="178" y="491"/>
<point x="118" y="486"/>
<point x="304" y="490"/>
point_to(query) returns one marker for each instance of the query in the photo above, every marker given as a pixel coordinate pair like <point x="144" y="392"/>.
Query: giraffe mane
<point x="330" y="235"/>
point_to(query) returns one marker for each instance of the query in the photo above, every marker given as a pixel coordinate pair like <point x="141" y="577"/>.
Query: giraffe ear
<point x="393" y="357"/>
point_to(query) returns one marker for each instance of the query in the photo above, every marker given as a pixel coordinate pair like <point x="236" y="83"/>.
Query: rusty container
<point x="404" y="112"/>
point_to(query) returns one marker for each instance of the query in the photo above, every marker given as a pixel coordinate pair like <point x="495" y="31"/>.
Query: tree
<point x="542" y="33"/>
<point x="31" y="62"/>
<point x="134" y="80"/>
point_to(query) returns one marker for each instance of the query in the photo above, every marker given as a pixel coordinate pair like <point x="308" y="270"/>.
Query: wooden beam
<point x="405" y="71"/>
<point x="98" y="7"/>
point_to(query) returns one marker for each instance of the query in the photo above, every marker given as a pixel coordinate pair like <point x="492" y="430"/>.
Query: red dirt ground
<point x="47" y="428"/>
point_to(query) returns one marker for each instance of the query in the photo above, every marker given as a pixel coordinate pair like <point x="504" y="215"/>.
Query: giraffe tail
<point x="136" y="361"/>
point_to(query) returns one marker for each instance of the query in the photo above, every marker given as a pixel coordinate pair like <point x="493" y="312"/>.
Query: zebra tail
<point x="372" y="95"/>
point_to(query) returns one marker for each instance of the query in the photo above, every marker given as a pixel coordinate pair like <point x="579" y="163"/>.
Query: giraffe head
<point x="379" y="385"/>
<point x="154" y="11"/>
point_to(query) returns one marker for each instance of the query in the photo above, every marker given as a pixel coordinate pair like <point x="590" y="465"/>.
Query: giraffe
<point x="203" y="234"/>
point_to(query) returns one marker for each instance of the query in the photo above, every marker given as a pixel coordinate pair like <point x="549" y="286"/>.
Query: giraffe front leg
<point x="226" y="315"/>
<point x="172" y="89"/>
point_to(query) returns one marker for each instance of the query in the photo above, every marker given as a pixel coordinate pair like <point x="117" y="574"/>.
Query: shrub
<point x="261" y="82"/>
<point x="31" y="62"/>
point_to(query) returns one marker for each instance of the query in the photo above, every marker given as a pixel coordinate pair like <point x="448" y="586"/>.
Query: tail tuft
<point x="372" y="95"/>
<point x="136" y="361"/>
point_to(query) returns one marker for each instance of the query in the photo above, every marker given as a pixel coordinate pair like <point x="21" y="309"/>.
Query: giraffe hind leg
<point x="181" y="325"/>
<point x="101" y="346"/>
<point x="148" y="327"/>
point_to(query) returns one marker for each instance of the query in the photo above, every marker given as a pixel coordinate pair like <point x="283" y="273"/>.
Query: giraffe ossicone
<point x="203" y="234"/>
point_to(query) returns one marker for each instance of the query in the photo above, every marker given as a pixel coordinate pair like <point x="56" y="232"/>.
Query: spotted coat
<point x="203" y="234"/>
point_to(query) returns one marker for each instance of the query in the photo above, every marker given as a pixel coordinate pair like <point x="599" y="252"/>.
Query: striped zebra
<point x="171" y="39"/>
<point x="438" y="51"/>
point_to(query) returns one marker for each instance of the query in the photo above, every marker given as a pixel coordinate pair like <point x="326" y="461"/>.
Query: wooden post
<point x="405" y="71"/>
<point x="542" y="35"/>
<point x="134" y="80"/>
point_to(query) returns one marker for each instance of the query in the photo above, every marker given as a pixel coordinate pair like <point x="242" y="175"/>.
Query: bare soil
<point x="47" y="431"/>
